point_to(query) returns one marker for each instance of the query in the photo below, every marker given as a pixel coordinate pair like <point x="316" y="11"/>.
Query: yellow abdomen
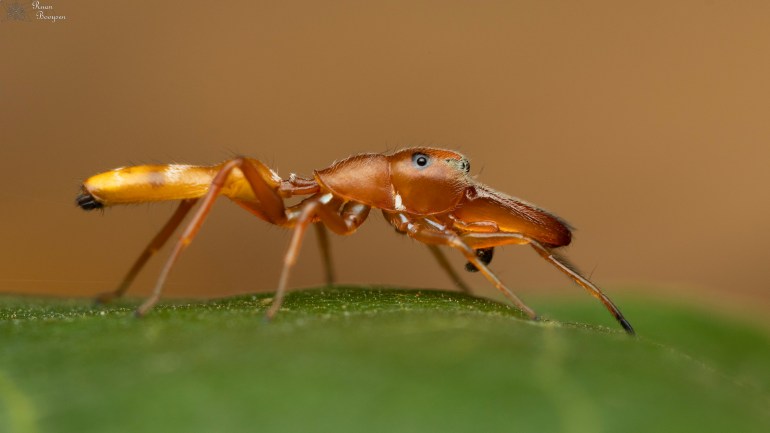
<point x="150" y="183"/>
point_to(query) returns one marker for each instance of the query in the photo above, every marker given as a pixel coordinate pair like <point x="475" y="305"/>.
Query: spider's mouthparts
<point x="88" y="202"/>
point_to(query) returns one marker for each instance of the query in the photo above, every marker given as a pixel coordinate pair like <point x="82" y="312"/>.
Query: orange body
<point x="442" y="189"/>
<point x="426" y="193"/>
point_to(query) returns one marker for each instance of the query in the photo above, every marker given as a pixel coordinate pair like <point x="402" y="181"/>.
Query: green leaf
<point x="377" y="360"/>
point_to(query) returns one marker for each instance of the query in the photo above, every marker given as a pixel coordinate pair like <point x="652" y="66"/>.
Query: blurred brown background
<point x="645" y="125"/>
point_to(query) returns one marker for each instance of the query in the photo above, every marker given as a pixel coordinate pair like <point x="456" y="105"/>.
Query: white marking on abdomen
<point x="174" y="172"/>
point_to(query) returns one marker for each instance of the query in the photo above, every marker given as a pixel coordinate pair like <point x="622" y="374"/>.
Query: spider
<point x="425" y="193"/>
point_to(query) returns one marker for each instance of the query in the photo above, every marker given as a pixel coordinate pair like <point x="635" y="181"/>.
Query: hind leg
<point x="271" y="208"/>
<point x="155" y="244"/>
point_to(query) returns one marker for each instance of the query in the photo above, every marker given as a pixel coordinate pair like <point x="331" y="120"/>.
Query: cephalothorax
<point x="425" y="193"/>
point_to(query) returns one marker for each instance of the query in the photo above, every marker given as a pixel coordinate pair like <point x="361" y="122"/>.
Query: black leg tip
<point x="627" y="326"/>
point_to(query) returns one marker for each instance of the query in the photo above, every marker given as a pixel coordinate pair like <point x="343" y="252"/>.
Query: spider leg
<point x="447" y="267"/>
<point x="584" y="282"/>
<point x="326" y="255"/>
<point x="315" y="208"/>
<point x="433" y="236"/>
<point x="272" y="209"/>
<point x="155" y="244"/>
<point x="480" y="240"/>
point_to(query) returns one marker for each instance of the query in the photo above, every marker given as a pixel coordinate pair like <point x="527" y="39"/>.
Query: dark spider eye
<point x="421" y="160"/>
<point x="467" y="166"/>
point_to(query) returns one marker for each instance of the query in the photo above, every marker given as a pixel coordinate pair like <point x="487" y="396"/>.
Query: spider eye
<point x="466" y="166"/>
<point x="421" y="160"/>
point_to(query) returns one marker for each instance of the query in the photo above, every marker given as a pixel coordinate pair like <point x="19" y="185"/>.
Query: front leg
<point x="432" y="233"/>
<point x="487" y="240"/>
